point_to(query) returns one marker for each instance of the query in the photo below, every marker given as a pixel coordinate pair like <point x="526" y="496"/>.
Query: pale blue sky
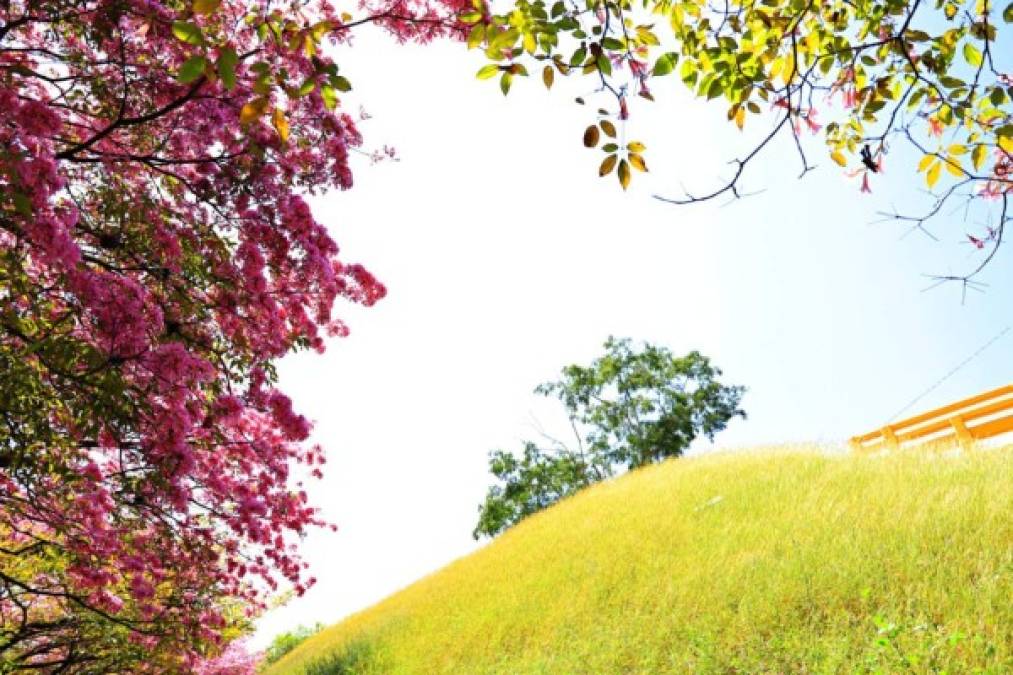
<point x="507" y="258"/>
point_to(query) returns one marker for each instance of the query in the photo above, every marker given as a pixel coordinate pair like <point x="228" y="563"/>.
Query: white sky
<point x="506" y="258"/>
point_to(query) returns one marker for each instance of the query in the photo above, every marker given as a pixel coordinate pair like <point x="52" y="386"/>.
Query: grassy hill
<point x="781" y="561"/>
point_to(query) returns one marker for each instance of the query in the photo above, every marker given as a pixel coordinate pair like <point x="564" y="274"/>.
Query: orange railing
<point x="964" y="422"/>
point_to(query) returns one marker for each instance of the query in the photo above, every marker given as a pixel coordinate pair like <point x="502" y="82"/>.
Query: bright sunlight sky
<point x="506" y="258"/>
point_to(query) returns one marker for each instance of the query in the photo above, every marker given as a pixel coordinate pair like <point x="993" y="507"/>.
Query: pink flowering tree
<point x="157" y="255"/>
<point x="901" y="85"/>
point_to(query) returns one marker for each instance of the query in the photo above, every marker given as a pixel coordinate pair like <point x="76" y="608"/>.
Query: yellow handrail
<point x="972" y="419"/>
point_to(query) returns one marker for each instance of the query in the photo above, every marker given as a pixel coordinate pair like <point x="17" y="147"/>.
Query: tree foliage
<point x="866" y="75"/>
<point x="629" y="408"/>
<point x="284" y="643"/>
<point x="157" y="256"/>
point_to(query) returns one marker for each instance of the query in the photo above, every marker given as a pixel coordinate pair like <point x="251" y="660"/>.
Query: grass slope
<point x="762" y="562"/>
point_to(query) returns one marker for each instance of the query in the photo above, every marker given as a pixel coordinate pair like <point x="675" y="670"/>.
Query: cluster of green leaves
<point x="627" y="409"/>
<point x="286" y="642"/>
<point x="924" y="70"/>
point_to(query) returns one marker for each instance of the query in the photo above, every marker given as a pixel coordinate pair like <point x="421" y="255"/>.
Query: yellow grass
<point x="775" y="561"/>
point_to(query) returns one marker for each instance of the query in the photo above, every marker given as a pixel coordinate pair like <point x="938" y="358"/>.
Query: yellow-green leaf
<point x="635" y="146"/>
<point x="187" y="32"/>
<point x="504" y="82"/>
<point x="487" y="71"/>
<point x="978" y="156"/>
<point x="330" y="96"/>
<point x="638" y="162"/>
<point x="972" y="55"/>
<point x="476" y="36"/>
<point x="624" y="174"/>
<point x="320" y="29"/>
<point x="529" y="43"/>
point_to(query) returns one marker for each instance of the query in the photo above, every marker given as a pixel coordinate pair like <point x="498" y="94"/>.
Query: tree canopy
<point x="628" y="408"/>
<point x="157" y="256"/>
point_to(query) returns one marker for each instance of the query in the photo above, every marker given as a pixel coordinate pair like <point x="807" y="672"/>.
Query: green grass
<point x="777" y="561"/>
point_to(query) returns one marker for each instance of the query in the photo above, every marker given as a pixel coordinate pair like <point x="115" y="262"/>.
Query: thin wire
<point x="951" y="373"/>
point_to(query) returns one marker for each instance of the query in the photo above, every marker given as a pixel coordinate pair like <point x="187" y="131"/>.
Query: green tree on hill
<point x="627" y="409"/>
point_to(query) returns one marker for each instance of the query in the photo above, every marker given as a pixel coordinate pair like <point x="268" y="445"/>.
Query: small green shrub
<point x="286" y="642"/>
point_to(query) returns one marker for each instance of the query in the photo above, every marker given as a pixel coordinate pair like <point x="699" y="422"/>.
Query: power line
<point x="951" y="373"/>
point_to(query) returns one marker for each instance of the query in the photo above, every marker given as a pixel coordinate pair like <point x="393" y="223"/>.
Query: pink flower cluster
<point x="163" y="255"/>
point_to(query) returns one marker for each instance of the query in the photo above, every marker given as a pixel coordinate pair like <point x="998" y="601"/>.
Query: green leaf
<point x="487" y="71"/>
<point x="665" y="64"/>
<point x="604" y="65"/>
<point x="187" y="32"/>
<point x="227" y="61"/>
<point x="22" y="204"/>
<point x="305" y="88"/>
<point x="715" y="89"/>
<point x="972" y="55"/>
<point x="1007" y="14"/>
<point x="192" y="69"/>
<point x="609" y="147"/>
<point x="504" y="83"/>
<point x="341" y="83"/>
